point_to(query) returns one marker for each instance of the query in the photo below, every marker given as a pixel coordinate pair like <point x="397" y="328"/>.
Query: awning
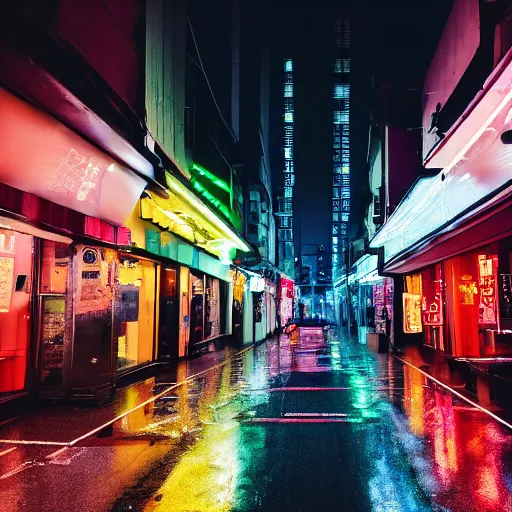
<point x="474" y="179"/>
<point x="30" y="80"/>
<point x="482" y="113"/>
<point x="187" y="216"/>
<point x="43" y="157"/>
<point x="365" y="269"/>
<point x="490" y="224"/>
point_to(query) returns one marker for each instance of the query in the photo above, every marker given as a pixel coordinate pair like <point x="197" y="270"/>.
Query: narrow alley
<point x="292" y="424"/>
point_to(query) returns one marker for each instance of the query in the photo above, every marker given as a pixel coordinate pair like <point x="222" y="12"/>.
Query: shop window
<point x="135" y="311"/>
<point x="169" y="283"/>
<point x="412" y="304"/>
<point x="197" y="310"/>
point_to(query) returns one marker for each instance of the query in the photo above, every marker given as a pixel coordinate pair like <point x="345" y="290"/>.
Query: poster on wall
<point x="6" y="280"/>
<point x="467" y="290"/>
<point x="412" y="313"/>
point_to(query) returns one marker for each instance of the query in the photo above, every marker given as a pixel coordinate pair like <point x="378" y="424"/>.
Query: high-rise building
<point x="340" y="146"/>
<point x="285" y="201"/>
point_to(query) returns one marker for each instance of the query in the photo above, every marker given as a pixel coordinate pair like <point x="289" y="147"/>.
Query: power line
<point x="208" y="82"/>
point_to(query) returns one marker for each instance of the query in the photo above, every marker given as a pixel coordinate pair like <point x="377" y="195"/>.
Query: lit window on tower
<point x="342" y="91"/>
<point x="340" y="117"/>
<point x="288" y="65"/>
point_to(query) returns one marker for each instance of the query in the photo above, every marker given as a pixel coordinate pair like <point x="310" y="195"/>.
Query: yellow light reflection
<point x="413" y="400"/>
<point x="205" y="477"/>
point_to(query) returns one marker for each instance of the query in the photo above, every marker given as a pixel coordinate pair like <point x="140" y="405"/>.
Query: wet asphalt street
<point x="300" y="425"/>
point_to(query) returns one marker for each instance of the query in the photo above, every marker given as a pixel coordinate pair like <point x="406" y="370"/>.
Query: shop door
<point x="16" y="263"/>
<point x="184" y="320"/>
<point x="92" y="344"/>
<point x="168" y="339"/>
<point x="196" y="311"/>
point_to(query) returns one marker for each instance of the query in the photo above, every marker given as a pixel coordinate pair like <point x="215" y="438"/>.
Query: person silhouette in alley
<point x="301" y="312"/>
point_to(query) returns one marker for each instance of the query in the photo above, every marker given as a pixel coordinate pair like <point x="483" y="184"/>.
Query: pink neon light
<point x="273" y="390"/>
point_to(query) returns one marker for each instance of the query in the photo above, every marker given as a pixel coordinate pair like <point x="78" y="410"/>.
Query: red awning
<point x="43" y="157"/>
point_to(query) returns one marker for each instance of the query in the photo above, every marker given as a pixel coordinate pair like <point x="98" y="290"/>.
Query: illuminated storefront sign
<point x="201" y="179"/>
<point x="198" y="170"/>
<point x="185" y="215"/>
<point x="412" y="313"/>
<point x="487" y="266"/>
<point x="211" y="198"/>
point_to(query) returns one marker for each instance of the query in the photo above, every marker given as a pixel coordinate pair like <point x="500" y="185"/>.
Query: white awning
<point x="481" y="167"/>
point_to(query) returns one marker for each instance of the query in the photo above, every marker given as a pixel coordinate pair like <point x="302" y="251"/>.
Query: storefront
<point x="23" y="301"/>
<point x="194" y="289"/>
<point x="58" y="297"/>
<point x="450" y="235"/>
<point x="261" y="308"/>
<point x="97" y="324"/>
<point x="371" y="300"/>
<point x="424" y="306"/>
<point x="462" y="305"/>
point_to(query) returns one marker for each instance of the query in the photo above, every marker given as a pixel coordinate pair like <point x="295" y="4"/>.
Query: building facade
<point x="286" y="254"/>
<point x="122" y="213"/>
<point x="448" y="239"/>
<point x="341" y="190"/>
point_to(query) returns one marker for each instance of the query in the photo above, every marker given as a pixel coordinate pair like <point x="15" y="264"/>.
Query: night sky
<point x="391" y="41"/>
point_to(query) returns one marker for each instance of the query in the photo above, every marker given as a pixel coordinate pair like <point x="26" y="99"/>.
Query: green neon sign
<point x="215" y="201"/>
<point x="211" y="177"/>
<point x="210" y="197"/>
